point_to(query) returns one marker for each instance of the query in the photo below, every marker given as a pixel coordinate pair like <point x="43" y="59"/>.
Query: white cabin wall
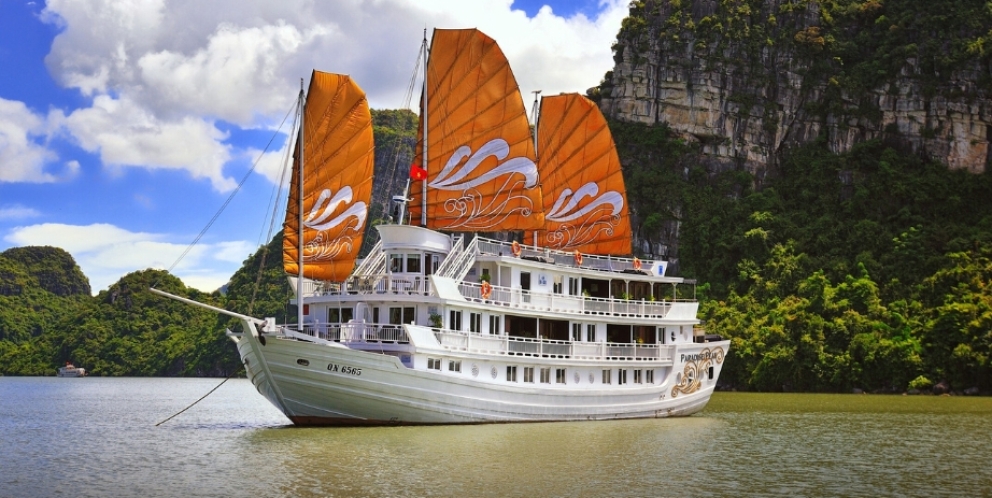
<point x="506" y="275"/>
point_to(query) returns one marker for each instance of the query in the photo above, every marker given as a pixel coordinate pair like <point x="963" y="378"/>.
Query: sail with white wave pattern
<point x="584" y="194"/>
<point x="337" y="167"/>
<point x="481" y="173"/>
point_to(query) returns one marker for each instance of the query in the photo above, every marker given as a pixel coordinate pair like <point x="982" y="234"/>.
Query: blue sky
<point x="126" y="124"/>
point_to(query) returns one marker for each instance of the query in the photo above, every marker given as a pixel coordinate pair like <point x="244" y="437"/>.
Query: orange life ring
<point x="637" y="264"/>
<point x="515" y="248"/>
<point x="578" y="257"/>
<point x="487" y="290"/>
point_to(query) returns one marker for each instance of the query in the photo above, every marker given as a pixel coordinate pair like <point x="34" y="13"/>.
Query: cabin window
<point x="511" y="373"/>
<point x="649" y="377"/>
<point x="557" y="284"/>
<point x="619" y="333"/>
<point x="525" y="286"/>
<point x="621" y="377"/>
<point x="454" y="366"/>
<point x="396" y="263"/>
<point x="545" y="376"/>
<point x="413" y="263"/>
<point x="431" y="263"/>
<point x="576" y="332"/>
<point x="494" y="325"/>
<point x="340" y="315"/>
<point x="485" y="274"/>
<point x="573" y="287"/>
<point x="455" y="320"/>
<point x="433" y="363"/>
<point x="375" y="315"/>
<point x="529" y="374"/>
<point x="559" y="376"/>
<point x="711" y="373"/>
<point x="638" y="379"/>
<point x="399" y="316"/>
<point x="606" y="376"/>
<point x="475" y="322"/>
<point x="591" y="332"/>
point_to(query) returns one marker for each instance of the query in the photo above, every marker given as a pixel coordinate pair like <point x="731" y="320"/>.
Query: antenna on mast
<point x="533" y="112"/>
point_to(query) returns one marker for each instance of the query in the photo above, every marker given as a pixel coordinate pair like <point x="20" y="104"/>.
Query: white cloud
<point x="22" y="158"/>
<point x="232" y="76"/>
<point x="162" y="75"/>
<point x="17" y="212"/>
<point x="105" y="253"/>
<point x="125" y="133"/>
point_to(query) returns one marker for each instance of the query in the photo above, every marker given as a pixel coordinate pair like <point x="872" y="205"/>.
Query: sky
<point x="126" y="125"/>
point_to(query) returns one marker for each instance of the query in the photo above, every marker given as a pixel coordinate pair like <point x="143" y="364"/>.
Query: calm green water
<point x="97" y="437"/>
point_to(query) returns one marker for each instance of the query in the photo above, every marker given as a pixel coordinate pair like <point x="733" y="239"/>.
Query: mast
<point x="299" y="281"/>
<point x="423" y="122"/>
<point x="534" y="111"/>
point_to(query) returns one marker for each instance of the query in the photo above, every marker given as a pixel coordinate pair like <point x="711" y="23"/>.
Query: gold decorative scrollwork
<point x="694" y="370"/>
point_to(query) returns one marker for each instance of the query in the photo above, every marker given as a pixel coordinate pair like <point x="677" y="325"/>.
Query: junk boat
<point x="550" y="319"/>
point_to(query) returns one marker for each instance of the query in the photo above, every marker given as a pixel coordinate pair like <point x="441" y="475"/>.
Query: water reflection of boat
<point x="70" y="370"/>
<point x="441" y="326"/>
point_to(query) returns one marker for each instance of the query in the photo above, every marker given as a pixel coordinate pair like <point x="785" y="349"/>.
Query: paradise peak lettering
<point x="705" y="355"/>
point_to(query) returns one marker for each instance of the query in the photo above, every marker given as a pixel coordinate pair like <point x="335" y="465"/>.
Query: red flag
<point x="417" y="173"/>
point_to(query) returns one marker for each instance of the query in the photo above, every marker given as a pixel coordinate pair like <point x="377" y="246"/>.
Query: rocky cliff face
<point x="747" y="79"/>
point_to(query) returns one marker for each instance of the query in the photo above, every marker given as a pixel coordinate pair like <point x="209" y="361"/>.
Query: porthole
<point x="302" y="362"/>
<point x="592" y="378"/>
<point x="475" y="370"/>
<point x="493" y="372"/>
<point x="576" y="377"/>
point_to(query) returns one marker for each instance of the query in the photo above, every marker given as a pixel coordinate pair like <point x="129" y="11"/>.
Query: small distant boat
<point x="70" y="370"/>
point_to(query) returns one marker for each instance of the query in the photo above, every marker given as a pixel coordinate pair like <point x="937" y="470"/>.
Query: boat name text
<point x="706" y="355"/>
<point x="345" y="369"/>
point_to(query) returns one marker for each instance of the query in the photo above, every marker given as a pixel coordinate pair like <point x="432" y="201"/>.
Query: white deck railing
<point x="357" y="332"/>
<point x="517" y="298"/>
<point x="502" y="345"/>
<point x="549" y="348"/>
<point x="560" y="258"/>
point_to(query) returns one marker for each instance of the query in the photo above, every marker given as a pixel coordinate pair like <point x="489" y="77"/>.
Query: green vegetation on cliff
<point x="867" y="269"/>
<point x="48" y="317"/>
<point x="852" y="45"/>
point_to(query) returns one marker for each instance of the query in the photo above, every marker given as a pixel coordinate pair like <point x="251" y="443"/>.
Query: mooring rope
<point x="199" y="400"/>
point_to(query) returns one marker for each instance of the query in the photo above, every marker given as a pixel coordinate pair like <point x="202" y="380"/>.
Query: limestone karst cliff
<point x="748" y="79"/>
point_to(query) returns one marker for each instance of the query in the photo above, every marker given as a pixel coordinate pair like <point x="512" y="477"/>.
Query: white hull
<point x="371" y="388"/>
<point x="71" y="371"/>
<point x="406" y="346"/>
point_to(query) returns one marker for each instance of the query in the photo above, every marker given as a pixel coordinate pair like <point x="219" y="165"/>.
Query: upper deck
<point x="411" y="263"/>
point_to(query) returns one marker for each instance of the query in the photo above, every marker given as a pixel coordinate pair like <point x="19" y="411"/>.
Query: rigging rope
<point x="275" y="208"/>
<point x="229" y="198"/>
<point x="201" y="399"/>
<point x="382" y="196"/>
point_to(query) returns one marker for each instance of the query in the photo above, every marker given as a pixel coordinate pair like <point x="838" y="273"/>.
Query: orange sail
<point x="481" y="174"/>
<point x="585" y="203"/>
<point x="337" y="180"/>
